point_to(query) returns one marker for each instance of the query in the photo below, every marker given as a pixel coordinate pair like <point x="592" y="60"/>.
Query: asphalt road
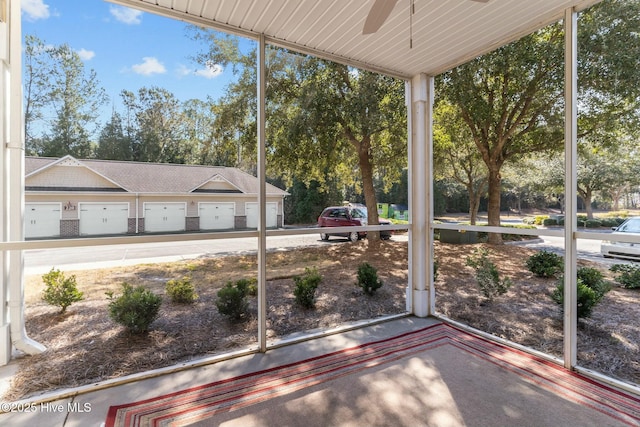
<point x="587" y="249"/>
<point x="78" y="258"/>
<point x="86" y="258"/>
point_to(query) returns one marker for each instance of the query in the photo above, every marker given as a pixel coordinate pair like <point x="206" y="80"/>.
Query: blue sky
<point x="127" y="48"/>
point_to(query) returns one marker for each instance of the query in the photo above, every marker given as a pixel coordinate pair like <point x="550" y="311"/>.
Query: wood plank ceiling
<point x="443" y="33"/>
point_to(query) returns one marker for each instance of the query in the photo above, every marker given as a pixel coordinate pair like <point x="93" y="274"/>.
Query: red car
<point x="345" y="216"/>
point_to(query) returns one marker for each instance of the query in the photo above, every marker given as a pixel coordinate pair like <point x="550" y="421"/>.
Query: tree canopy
<point x="512" y="99"/>
<point x="324" y="120"/>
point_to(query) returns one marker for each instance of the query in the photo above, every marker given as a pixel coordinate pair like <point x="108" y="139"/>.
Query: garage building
<point x="68" y="197"/>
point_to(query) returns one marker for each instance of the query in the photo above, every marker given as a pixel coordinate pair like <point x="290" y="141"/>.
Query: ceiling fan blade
<point x="379" y="13"/>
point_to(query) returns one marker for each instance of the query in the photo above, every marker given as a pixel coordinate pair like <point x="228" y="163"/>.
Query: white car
<point x="620" y="249"/>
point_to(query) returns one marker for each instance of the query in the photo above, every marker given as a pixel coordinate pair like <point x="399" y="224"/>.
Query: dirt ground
<point x="85" y="346"/>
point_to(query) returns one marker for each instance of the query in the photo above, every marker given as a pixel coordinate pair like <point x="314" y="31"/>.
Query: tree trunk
<point x="587" y="204"/>
<point x="474" y="203"/>
<point x="366" y="171"/>
<point x="493" y="209"/>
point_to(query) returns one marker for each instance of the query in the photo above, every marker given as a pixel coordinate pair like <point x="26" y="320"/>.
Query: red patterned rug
<point x="200" y="403"/>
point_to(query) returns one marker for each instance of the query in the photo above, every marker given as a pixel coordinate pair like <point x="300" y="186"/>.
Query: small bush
<point x="135" y="309"/>
<point x="181" y="291"/>
<point x="593" y="223"/>
<point x="305" y="287"/>
<point x="609" y="222"/>
<point x="232" y="299"/>
<point x="368" y="279"/>
<point x="539" y="219"/>
<point x="628" y="275"/>
<point x="487" y="275"/>
<point x="250" y="286"/>
<point x="594" y="279"/>
<point x="591" y="289"/>
<point x="59" y="290"/>
<point x="587" y="298"/>
<point x="619" y="215"/>
<point x="545" y="264"/>
<point x="549" y="222"/>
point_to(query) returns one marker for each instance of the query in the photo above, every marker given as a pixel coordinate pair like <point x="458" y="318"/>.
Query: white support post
<point x="262" y="198"/>
<point x="420" y="198"/>
<point x="571" y="213"/>
<point x="13" y="187"/>
<point x="5" y="337"/>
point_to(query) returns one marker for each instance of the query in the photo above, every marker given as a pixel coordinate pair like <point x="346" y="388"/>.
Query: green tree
<point x="76" y="97"/>
<point x="350" y="122"/>
<point x="355" y="113"/>
<point x="509" y="99"/>
<point x="233" y="135"/>
<point x="199" y="133"/>
<point x="609" y="70"/>
<point x="306" y="202"/>
<point x="114" y="143"/>
<point x="456" y="156"/>
<point x="36" y="83"/>
<point x="158" y="123"/>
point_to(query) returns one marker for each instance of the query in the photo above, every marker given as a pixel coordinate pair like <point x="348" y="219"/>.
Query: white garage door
<point x="217" y="216"/>
<point x="164" y="217"/>
<point x="42" y="220"/>
<point x="104" y="218"/>
<point x="252" y="215"/>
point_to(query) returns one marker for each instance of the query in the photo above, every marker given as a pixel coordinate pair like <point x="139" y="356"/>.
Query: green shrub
<point x="549" y="221"/>
<point x="609" y="222"/>
<point x="59" y="290"/>
<point x="483" y="235"/>
<point x="251" y="285"/>
<point x="135" y="309"/>
<point x="232" y="299"/>
<point x="368" y="279"/>
<point x="545" y="264"/>
<point x="591" y="289"/>
<point x="539" y="219"/>
<point x="181" y="291"/>
<point x="628" y="275"/>
<point x="594" y="279"/>
<point x="305" y="287"/>
<point x="593" y="223"/>
<point x="487" y="275"/>
<point x="587" y="298"/>
<point x="618" y="215"/>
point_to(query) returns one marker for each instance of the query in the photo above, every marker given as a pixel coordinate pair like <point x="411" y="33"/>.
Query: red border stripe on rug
<point x="201" y="402"/>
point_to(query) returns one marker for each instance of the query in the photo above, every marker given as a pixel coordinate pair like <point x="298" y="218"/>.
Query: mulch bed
<point x="85" y="346"/>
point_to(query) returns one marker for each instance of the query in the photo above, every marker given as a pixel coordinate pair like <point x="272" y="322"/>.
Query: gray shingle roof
<point x="138" y="177"/>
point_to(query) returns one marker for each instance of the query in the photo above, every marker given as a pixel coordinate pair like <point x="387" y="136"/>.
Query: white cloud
<point x="85" y="54"/>
<point x="149" y="66"/>
<point x="126" y="15"/>
<point x="35" y="9"/>
<point x="210" y="72"/>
